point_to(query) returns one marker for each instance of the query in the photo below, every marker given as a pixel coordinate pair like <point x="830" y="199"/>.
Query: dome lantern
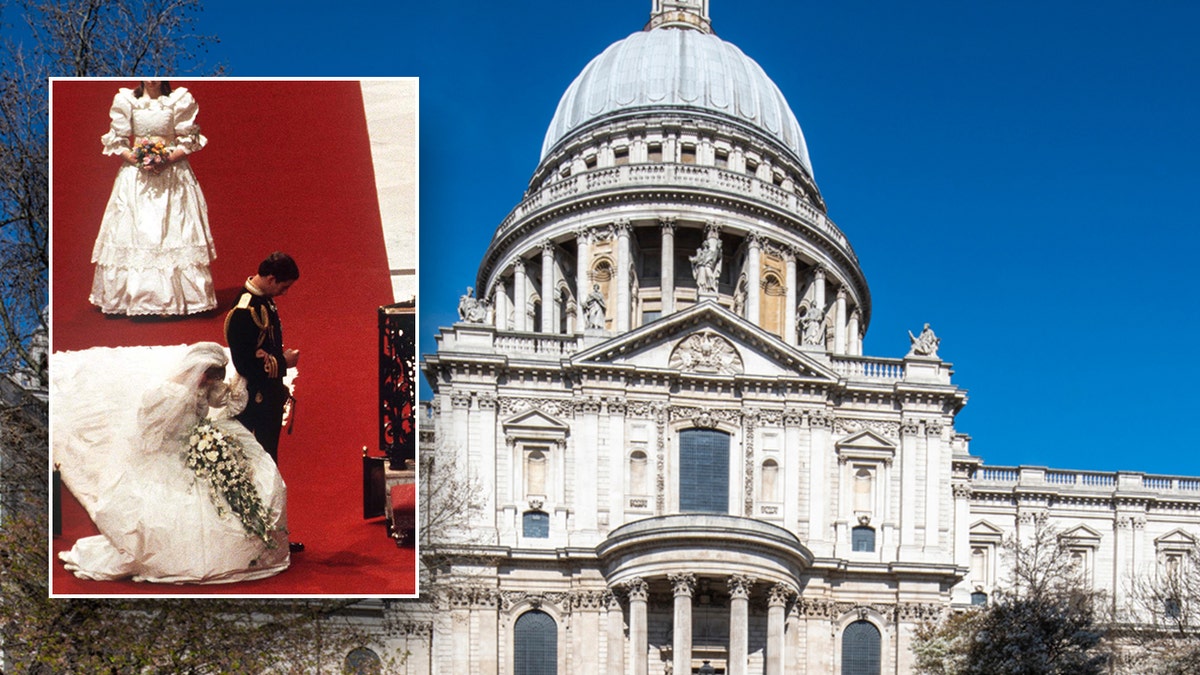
<point x="692" y="14"/>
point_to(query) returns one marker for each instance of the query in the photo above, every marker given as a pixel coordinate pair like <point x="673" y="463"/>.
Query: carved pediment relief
<point x="706" y="352"/>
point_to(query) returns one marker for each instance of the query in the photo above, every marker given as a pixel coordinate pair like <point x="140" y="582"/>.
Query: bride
<point x="150" y="476"/>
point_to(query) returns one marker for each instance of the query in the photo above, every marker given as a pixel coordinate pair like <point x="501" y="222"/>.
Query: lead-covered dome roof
<point x="677" y="69"/>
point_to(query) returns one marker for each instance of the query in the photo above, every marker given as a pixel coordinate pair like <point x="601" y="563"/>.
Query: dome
<point x="674" y="68"/>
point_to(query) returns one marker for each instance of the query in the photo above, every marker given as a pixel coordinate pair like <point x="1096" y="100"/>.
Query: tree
<point x="1044" y="622"/>
<point x="1162" y="623"/>
<point x="65" y="38"/>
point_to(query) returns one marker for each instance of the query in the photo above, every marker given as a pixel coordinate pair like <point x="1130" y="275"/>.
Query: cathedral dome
<point x="677" y="68"/>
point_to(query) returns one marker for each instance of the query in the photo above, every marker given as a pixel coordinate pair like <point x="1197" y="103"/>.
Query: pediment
<point x="866" y="444"/>
<point x="534" y="424"/>
<point x="707" y="340"/>
<point x="1081" y="534"/>
<point x="985" y="532"/>
<point x="1175" y="539"/>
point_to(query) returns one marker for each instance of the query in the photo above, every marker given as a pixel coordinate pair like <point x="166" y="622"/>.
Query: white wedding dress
<point x="121" y="452"/>
<point x="154" y="248"/>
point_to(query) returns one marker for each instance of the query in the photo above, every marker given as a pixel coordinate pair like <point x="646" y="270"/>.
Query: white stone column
<point x="739" y="623"/>
<point x="583" y="268"/>
<point x="549" y="304"/>
<point x="486" y="643"/>
<point x="839" y="323"/>
<point x="520" y="297"/>
<point x="776" y="604"/>
<point x="500" y="305"/>
<point x="623" y="266"/>
<point x="668" y="265"/>
<point x="789" y="311"/>
<point x="615" y="633"/>
<point x="854" y="334"/>
<point x="683" y="583"/>
<point x="639" y="592"/>
<point x="754" y="278"/>
<point x="818" y="285"/>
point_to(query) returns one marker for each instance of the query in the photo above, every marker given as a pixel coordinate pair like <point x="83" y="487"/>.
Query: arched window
<point x="536" y="524"/>
<point x="704" y="471"/>
<point x="362" y="661"/>
<point x="535" y="644"/>
<point x="860" y="649"/>
<point x="979" y="598"/>
<point x="862" y="538"/>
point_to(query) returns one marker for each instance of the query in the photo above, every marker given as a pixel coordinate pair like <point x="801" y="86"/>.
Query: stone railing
<point x="867" y="368"/>
<point x="1031" y="476"/>
<point x="689" y="175"/>
<point x="527" y="344"/>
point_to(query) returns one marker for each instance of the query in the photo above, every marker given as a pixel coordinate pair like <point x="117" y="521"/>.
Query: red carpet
<point x="287" y="167"/>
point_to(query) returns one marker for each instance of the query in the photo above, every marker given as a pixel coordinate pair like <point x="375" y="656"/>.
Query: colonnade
<point x="683" y="586"/>
<point x="846" y="320"/>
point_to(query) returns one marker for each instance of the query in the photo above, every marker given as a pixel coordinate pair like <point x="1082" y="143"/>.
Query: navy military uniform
<point x="255" y="340"/>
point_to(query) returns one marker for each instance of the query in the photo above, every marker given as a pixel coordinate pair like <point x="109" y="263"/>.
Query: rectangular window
<point x="621" y="156"/>
<point x="703" y="471"/>
<point x="862" y="539"/>
<point x="687" y="154"/>
<point x="536" y="525"/>
<point x="722" y="158"/>
<point x="655" y="154"/>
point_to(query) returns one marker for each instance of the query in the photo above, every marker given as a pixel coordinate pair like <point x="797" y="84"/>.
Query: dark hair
<point x="279" y="265"/>
<point x="141" y="89"/>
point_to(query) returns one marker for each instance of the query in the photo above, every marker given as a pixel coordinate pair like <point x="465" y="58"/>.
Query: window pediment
<point x="866" y="445"/>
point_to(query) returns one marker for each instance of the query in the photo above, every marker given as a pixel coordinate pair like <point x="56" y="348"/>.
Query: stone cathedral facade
<point x="685" y="461"/>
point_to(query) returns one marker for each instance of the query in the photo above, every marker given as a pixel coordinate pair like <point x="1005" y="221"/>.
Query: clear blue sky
<point x="1022" y="175"/>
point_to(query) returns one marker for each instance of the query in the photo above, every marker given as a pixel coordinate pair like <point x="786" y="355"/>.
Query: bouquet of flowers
<point x="150" y="155"/>
<point x="220" y="461"/>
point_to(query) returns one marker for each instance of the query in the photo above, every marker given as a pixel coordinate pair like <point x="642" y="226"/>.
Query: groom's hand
<point x="291" y="356"/>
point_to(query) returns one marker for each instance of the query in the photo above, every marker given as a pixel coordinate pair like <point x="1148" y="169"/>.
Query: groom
<point x="255" y="339"/>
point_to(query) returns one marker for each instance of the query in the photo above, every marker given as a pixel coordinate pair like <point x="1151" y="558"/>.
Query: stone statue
<point x="812" y="324"/>
<point x="925" y="344"/>
<point x="706" y="265"/>
<point x="594" y="308"/>
<point x="471" y="309"/>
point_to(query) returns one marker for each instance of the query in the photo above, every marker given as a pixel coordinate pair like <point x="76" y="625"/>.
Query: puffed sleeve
<point x="187" y="132"/>
<point x="121" y="113"/>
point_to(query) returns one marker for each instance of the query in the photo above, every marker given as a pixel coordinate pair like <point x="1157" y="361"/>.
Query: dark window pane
<point x="703" y="471"/>
<point x="979" y="598"/>
<point x="860" y="649"/>
<point x="535" y="644"/>
<point x="537" y="524"/>
<point x="862" y="538"/>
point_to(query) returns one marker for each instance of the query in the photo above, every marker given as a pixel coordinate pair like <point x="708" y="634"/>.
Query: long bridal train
<point x="123" y="425"/>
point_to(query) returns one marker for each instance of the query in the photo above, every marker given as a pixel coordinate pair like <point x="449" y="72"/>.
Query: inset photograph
<point x="233" y="309"/>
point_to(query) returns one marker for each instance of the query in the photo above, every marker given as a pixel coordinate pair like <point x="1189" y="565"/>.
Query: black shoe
<point x="295" y="547"/>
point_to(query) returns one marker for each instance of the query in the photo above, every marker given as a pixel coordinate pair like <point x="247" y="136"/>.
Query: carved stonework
<point x="587" y="406"/>
<point x="925" y="344"/>
<point x="510" y="405"/>
<point x="588" y="600"/>
<point x="637" y="589"/>
<point x="820" y="419"/>
<point x="639" y="409"/>
<point x="460" y="401"/>
<point x="962" y="491"/>
<point x="487" y="401"/>
<point x="712" y="416"/>
<point x="740" y="586"/>
<point x="779" y="595"/>
<point x="615" y="406"/>
<point x="751" y="420"/>
<point x="682" y="583"/>
<point x="660" y="469"/>
<point x="910" y="427"/>
<point x="409" y="629"/>
<point x="918" y="612"/>
<point x="706" y="352"/>
<point x="852" y="425"/>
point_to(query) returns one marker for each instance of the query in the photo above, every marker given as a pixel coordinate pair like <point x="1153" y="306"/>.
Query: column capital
<point x="779" y="595"/>
<point x="637" y="589"/>
<point x="740" y="586"/>
<point x="667" y="224"/>
<point x="547" y="246"/>
<point x="682" y="583"/>
<point x="518" y="263"/>
<point x="711" y="229"/>
<point x="842" y="293"/>
<point x="622" y="226"/>
<point x="818" y="273"/>
<point x="755" y="239"/>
